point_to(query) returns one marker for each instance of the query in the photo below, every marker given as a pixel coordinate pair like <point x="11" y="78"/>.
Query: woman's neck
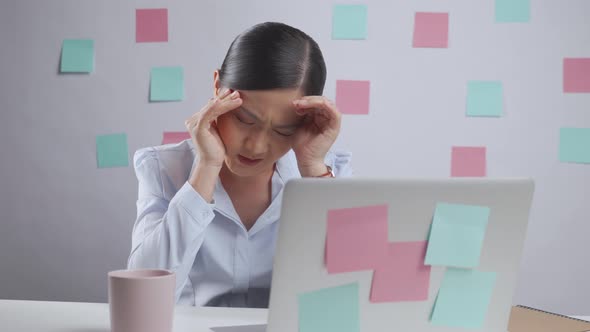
<point x="235" y="183"/>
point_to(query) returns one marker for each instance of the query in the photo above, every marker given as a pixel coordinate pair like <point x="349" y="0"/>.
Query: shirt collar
<point x="286" y="169"/>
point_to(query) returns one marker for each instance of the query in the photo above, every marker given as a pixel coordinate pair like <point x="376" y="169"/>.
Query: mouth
<point x="247" y="161"/>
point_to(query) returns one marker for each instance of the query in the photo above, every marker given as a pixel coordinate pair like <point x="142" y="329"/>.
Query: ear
<point x="216" y="83"/>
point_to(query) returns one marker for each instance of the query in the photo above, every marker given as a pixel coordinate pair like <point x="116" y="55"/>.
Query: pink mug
<point x="141" y="300"/>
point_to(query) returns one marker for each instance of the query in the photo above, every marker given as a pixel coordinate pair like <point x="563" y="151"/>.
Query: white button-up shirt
<point x="216" y="260"/>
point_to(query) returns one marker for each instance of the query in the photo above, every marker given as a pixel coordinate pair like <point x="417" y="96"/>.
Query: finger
<point x="224" y="93"/>
<point x="221" y="107"/>
<point x="328" y="113"/>
<point x="321" y="109"/>
<point x="311" y="101"/>
<point x="307" y="103"/>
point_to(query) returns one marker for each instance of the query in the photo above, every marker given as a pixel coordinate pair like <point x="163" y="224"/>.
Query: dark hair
<point x="272" y="56"/>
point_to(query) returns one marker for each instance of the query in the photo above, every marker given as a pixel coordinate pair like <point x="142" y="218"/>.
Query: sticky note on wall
<point x="484" y="98"/>
<point x="431" y="30"/>
<point x="167" y="84"/>
<point x="151" y="25"/>
<point x="468" y="161"/>
<point x="175" y="137"/>
<point x="334" y="309"/>
<point x="352" y="97"/>
<point x="574" y="145"/>
<point x="576" y="75"/>
<point x="77" y="56"/>
<point x="402" y="276"/>
<point x="513" y="11"/>
<point x="349" y="22"/>
<point x="356" y="238"/>
<point x="112" y="151"/>
<point x="463" y="299"/>
<point x="457" y="235"/>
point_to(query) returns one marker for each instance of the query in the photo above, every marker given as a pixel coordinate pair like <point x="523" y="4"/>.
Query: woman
<point x="208" y="207"/>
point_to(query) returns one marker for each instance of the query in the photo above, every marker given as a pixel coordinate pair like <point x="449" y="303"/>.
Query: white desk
<point x="42" y="316"/>
<point x="45" y="316"/>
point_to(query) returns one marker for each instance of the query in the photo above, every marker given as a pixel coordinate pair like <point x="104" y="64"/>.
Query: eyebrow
<point x="253" y="115"/>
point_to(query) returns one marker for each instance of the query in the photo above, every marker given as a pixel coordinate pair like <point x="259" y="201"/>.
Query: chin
<point x="238" y="169"/>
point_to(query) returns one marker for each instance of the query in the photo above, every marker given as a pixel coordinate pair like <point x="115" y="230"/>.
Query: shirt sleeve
<point x="340" y="161"/>
<point x="167" y="234"/>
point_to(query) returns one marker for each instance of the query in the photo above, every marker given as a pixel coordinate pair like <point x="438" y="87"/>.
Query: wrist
<point x="313" y="170"/>
<point x="203" y="180"/>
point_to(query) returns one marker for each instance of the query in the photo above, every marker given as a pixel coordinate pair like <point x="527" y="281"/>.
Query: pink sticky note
<point x="431" y="30"/>
<point x="468" y="161"/>
<point x="175" y="137"/>
<point x="352" y="97"/>
<point x="356" y="238"/>
<point x="151" y="25"/>
<point x="576" y="75"/>
<point x="402" y="275"/>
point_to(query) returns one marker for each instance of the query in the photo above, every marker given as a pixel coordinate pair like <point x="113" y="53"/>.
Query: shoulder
<point x="169" y="164"/>
<point x="167" y="155"/>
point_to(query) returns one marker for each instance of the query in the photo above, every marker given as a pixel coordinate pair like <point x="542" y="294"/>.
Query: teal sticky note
<point x="484" y="98"/>
<point x="574" y="145"/>
<point x="513" y="11"/>
<point x="77" y="56"/>
<point x="334" y="309"/>
<point x="456" y="235"/>
<point x="167" y="84"/>
<point x="349" y="22"/>
<point x="112" y="151"/>
<point x="463" y="298"/>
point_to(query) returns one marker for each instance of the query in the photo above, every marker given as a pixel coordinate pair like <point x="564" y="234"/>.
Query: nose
<point x="256" y="143"/>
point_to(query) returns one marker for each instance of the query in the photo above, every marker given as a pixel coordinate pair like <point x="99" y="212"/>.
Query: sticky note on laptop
<point x="402" y="275"/>
<point x="463" y="299"/>
<point x="357" y="238"/>
<point x="334" y="309"/>
<point x="457" y="235"/>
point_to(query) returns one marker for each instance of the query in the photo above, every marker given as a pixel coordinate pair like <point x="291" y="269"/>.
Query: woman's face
<point x="260" y="131"/>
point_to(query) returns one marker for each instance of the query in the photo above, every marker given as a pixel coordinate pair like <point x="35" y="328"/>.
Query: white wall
<point x="65" y="223"/>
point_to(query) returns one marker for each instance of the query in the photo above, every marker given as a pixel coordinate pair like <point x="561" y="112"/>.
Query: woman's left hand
<point x="318" y="132"/>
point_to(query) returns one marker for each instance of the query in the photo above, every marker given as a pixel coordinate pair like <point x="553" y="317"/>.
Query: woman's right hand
<point x="203" y="129"/>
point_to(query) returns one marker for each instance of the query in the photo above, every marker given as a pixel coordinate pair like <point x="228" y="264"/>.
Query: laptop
<point x="300" y="258"/>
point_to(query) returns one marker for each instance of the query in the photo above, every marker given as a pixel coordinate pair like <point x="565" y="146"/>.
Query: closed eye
<point x="285" y="133"/>
<point x="242" y="120"/>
